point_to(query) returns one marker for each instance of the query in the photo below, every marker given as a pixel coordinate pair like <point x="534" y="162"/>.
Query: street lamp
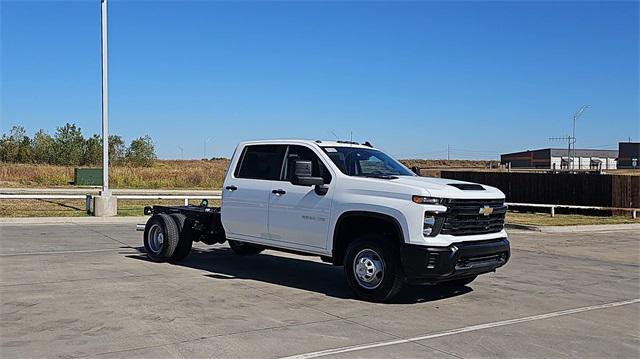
<point x="105" y="123"/>
<point x="104" y="205"/>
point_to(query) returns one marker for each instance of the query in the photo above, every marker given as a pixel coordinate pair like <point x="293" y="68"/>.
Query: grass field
<point x="163" y="174"/>
<point x="544" y="219"/>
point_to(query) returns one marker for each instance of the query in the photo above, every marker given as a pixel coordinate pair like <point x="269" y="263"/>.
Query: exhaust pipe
<point x="140" y="227"/>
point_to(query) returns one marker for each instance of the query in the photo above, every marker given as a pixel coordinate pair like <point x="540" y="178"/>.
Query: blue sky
<point x="411" y="77"/>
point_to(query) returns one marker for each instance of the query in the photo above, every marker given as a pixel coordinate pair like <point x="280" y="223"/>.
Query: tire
<point x="244" y="249"/>
<point x="372" y="268"/>
<point x="161" y="237"/>
<point x="457" y="283"/>
<point x="185" y="238"/>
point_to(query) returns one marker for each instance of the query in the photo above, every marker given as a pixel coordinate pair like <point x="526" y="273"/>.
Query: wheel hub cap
<point x="368" y="268"/>
<point x="156" y="238"/>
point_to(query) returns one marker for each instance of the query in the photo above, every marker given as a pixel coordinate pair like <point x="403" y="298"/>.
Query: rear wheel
<point x="185" y="237"/>
<point x="372" y="268"/>
<point x="160" y="237"/>
<point x="244" y="249"/>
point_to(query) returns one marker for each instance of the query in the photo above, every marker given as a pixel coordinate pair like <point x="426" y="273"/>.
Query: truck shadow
<point x="294" y="272"/>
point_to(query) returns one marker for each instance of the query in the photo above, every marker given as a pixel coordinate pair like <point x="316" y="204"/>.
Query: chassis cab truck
<point x="352" y="205"/>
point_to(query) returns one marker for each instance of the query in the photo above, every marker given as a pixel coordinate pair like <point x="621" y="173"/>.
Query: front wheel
<point x="372" y="268"/>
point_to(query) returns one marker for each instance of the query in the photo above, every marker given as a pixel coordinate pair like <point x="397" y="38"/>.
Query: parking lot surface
<point x="84" y="289"/>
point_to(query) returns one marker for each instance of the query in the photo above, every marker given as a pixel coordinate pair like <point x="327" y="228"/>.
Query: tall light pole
<point x="104" y="205"/>
<point x="105" y="105"/>
<point x="573" y="136"/>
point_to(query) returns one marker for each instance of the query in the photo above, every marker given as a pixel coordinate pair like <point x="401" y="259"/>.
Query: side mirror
<point x="302" y="171"/>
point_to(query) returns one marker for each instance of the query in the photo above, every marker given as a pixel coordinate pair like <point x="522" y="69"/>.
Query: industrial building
<point x="559" y="158"/>
<point x="629" y="155"/>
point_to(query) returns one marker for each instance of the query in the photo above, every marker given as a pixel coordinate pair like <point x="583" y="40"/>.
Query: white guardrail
<point x="88" y="197"/>
<point x="187" y="197"/>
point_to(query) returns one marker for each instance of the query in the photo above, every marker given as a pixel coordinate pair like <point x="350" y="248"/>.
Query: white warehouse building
<point x="559" y="158"/>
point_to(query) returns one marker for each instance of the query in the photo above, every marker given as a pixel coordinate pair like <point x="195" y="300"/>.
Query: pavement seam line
<point x="62" y="252"/>
<point x="202" y="338"/>
<point x="104" y="235"/>
<point x="348" y="320"/>
<point x="462" y="330"/>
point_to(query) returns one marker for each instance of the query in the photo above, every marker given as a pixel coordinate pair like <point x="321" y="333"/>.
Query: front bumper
<point x="425" y="264"/>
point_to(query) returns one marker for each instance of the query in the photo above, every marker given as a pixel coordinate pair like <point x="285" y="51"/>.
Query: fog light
<point x="432" y="260"/>
<point x="429" y="222"/>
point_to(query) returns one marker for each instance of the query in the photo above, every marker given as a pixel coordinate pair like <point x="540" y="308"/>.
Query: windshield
<point x="363" y="162"/>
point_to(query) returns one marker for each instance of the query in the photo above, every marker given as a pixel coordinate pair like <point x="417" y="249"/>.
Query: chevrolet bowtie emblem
<point x="485" y="211"/>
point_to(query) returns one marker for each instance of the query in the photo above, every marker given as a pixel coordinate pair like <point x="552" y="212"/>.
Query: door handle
<point x="278" y="192"/>
<point x="231" y="188"/>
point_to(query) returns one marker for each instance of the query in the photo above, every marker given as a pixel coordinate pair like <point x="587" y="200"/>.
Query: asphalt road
<point x="82" y="289"/>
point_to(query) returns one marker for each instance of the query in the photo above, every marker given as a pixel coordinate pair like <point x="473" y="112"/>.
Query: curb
<point x="522" y="227"/>
<point x="591" y="228"/>
<point x="73" y="220"/>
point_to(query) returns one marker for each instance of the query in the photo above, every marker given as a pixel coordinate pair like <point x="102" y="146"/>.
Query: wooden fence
<point x="570" y="189"/>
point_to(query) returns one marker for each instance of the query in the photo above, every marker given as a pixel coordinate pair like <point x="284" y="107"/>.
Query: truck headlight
<point x="429" y="223"/>
<point x="426" y="200"/>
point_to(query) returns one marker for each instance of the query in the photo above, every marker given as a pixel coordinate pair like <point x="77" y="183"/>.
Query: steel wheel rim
<point x="368" y="268"/>
<point x="156" y="238"/>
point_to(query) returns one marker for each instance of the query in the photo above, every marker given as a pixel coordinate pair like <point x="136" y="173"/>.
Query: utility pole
<point x="181" y="152"/>
<point x="573" y="137"/>
<point x="448" y="152"/>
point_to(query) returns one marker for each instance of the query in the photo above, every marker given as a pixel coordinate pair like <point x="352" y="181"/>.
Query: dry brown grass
<point x="163" y="174"/>
<point x="544" y="219"/>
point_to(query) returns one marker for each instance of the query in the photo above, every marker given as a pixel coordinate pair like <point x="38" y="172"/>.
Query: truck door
<point x="297" y="215"/>
<point x="247" y="191"/>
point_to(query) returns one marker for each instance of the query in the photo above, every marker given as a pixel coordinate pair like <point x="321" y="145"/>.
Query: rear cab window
<point x="263" y="162"/>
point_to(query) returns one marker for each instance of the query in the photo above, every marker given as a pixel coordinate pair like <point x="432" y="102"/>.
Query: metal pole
<point x="573" y="144"/>
<point x="573" y="137"/>
<point x="105" y="104"/>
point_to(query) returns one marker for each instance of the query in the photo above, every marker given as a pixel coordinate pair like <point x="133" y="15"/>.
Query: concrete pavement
<point x="81" y="289"/>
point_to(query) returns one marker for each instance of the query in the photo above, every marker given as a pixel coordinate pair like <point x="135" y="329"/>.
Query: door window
<point x="306" y="154"/>
<point x="262" y="162"/>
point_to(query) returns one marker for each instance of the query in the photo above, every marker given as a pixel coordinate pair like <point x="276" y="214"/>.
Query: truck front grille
<point x="464" y="217"/>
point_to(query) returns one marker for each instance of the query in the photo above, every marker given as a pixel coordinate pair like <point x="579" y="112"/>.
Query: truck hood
<point x="442" y="188"/>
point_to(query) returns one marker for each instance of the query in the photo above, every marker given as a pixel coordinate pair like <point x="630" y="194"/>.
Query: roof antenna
<point x="334" y="134"/>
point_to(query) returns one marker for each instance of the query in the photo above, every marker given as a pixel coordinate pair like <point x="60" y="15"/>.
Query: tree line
<point x="69" y="147"/>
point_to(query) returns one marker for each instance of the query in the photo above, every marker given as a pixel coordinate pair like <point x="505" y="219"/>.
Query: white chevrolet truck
<point x="352" y="205"/>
